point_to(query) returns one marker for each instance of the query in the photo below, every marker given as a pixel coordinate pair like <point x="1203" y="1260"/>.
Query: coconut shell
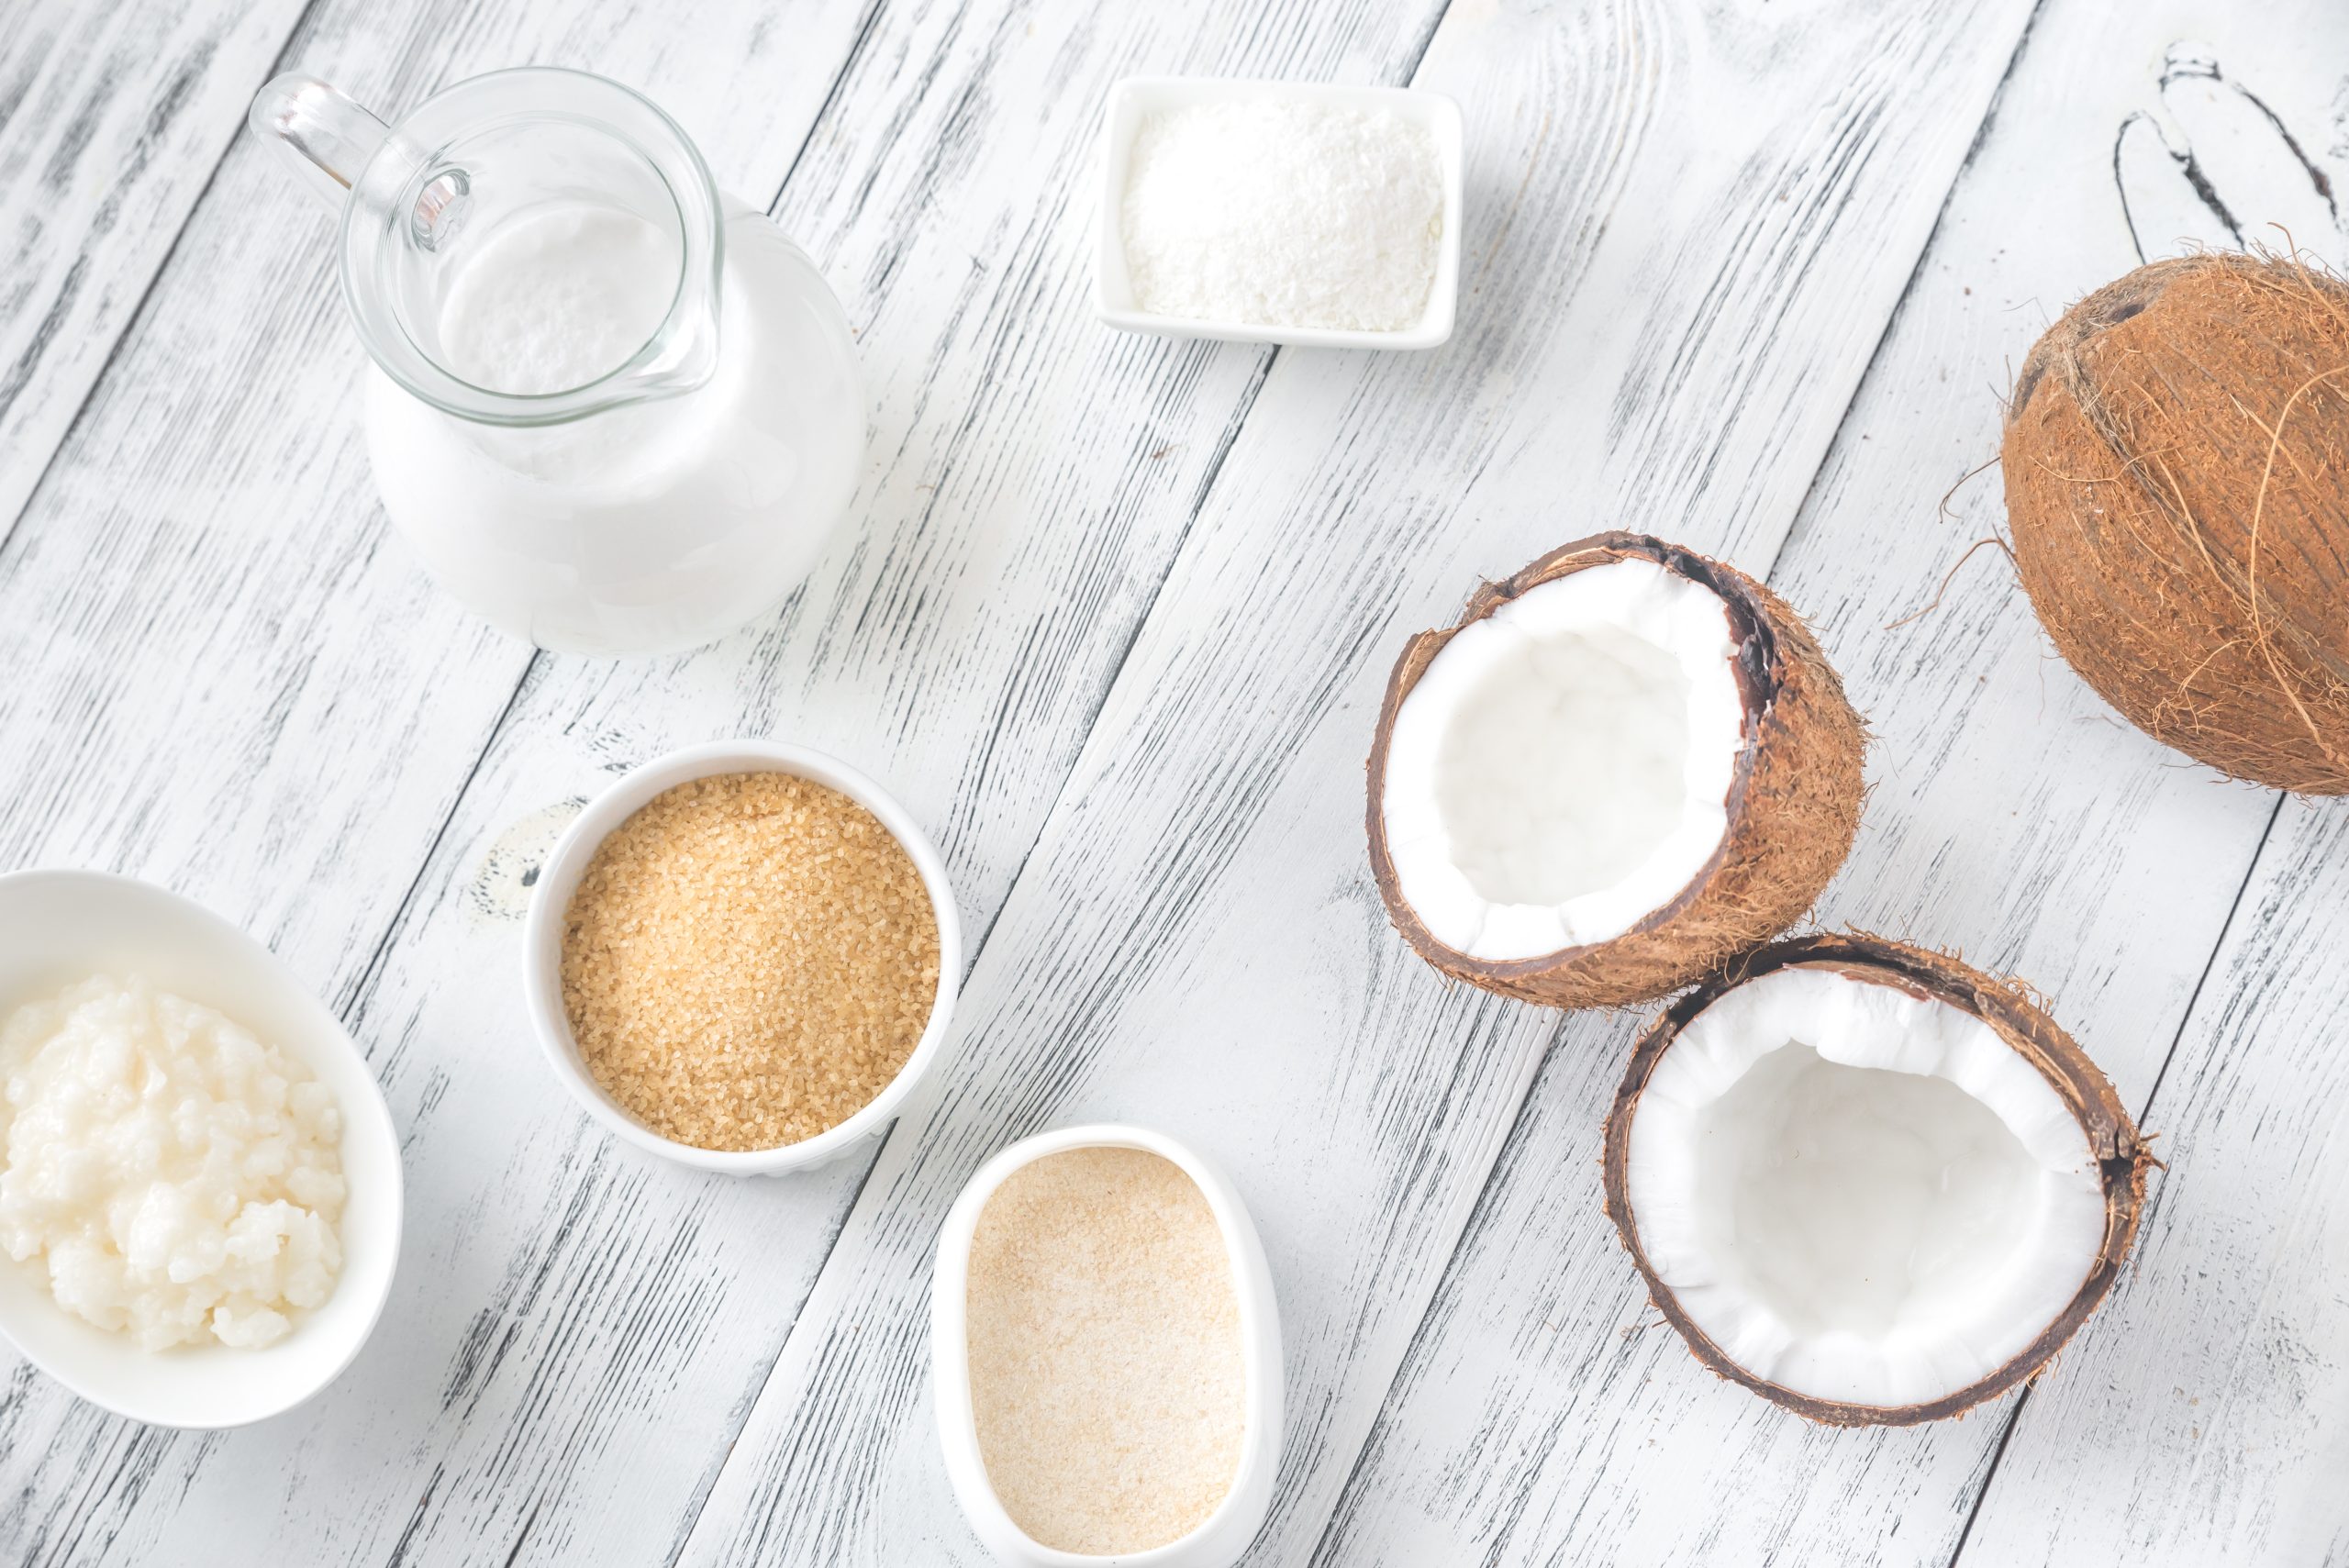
<point x="2122" y="1157"/>
<point x="1793" y="803"/>
<point x="2177" y="463"/>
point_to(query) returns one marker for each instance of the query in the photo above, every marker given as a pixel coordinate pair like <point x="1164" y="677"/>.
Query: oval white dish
<point x="1225" y="1534"/>
<point x="57" y="926"/>
<point x="1135" y="98"/>
<point x="559" y="879"/>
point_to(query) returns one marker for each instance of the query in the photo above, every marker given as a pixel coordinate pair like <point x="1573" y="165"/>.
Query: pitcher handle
<point x="328" y="141"/>
<point x="322" y="135"/>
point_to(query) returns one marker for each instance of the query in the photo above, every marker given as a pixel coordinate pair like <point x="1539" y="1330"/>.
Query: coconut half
<point x="1869" y="1183"/>
<point x="1624" y="766"/>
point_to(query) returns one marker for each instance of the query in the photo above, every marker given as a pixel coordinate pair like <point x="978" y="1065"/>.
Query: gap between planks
<point x="132" y="318"/>
<point x="350" y="1008"/>
<point x="1485" y="1190"/>
<point x="1199" y="499"/>
<point x="2144" y="1219"/>
<point x="1915" y="271"/>
<point x="353" y="1005"/>
<point x="355" y="999"/>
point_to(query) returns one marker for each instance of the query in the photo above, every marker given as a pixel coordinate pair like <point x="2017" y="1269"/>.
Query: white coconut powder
<point x="1283" y="214"/>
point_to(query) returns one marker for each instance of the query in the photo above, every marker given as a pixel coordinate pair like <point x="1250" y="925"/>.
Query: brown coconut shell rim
<point x="2123" y="1155"/>
<point x="1754" y="664"/>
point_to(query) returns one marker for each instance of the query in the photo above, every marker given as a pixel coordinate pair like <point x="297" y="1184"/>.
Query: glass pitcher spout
<point x="419" y="200"/>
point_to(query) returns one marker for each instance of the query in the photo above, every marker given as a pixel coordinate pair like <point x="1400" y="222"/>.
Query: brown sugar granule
<point x="748" y="961"/>
<point x="1103" y="1341"/>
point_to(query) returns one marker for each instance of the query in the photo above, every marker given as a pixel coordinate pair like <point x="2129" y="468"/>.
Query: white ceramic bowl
<point x="1135" y="98"/>
<point x="58" y="927"/>
<point x="551" y="898"/>
<point x="1224" y="1534"/>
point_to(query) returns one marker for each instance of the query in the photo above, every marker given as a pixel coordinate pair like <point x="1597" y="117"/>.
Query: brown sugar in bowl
<point x="710" y="1108"/>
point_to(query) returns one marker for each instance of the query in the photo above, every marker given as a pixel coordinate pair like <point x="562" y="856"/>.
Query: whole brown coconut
<point x="2121" y="1155"/>
<point x="1793" y="802"/>
<point x="2177" y="463"/>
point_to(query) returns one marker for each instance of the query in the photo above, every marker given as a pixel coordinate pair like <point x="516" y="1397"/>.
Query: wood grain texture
<point x="572" y="1323"/>
<point x="1546" y="1414"/>
<point x="2209" y="1423"/>
<point x="1688" y="228"/>
<point x="112" y="120"/>
<point x="1664" y="328"/>
<point x="582" y="1297"/>
<point x="225" y="678"/>
<point x="2209" y="1420"/>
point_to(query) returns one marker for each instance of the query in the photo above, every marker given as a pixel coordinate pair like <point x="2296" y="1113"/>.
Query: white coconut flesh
<point x="1562" y="767"/>
<point x="1860" y="1194"/>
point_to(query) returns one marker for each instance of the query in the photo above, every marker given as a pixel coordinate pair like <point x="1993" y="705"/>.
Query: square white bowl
<point x="1136" y="97"/>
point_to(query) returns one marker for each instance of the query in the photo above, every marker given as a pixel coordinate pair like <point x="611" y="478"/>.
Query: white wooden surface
<point x="1112" y="618"/>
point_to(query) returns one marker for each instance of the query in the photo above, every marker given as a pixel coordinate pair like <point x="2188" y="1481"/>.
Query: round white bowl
<point x="1224" y="1534"/>
<point x="559" y="879"/>
<point x="57" y="926"/>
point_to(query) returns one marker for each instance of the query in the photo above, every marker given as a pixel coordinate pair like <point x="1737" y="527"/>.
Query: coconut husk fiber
<point x="2177" y="464"/>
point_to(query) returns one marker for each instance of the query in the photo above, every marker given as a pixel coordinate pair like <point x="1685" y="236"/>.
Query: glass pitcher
<point x="614" y="410"/>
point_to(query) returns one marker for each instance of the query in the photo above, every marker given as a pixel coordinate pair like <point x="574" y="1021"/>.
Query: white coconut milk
<point x="654" y="525"/>
<point x="557" y="299"/>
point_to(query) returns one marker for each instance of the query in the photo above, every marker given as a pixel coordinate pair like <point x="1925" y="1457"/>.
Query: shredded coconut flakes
<point x="1283" y="214"/>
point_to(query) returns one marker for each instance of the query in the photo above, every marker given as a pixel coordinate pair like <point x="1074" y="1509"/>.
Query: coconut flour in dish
<point x="1104" y="1350"/>
<point x="179" y="1179"/>
<point x="1284" y="215"/>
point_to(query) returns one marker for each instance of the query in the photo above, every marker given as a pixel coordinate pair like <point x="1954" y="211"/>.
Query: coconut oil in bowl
<point x="57" y="926"/>
<point x="1107" y="1356"/>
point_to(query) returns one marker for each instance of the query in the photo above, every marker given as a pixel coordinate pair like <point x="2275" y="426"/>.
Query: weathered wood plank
<point x="1545" y="1413"/>
<point x="223" y="677"/>
<point x="1668" y="319"/>
<point x="111" y="120"/>
<point x="573" y="1325"/>
<point x="2208" y="1420"/>
<point x="224" y="674"/>
<point x="999" y="403"/>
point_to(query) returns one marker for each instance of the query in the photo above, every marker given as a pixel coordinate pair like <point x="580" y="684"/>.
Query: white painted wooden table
<point x="1113" y="616"/>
